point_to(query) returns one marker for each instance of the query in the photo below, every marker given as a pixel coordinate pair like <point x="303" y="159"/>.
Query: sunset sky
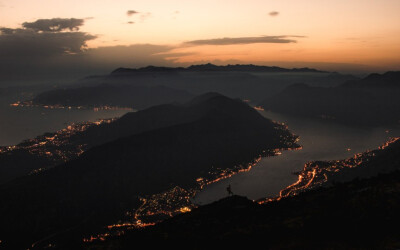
<point x="341" y="35"/>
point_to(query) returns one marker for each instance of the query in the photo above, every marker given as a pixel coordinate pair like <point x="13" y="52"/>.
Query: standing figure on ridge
<point x="229" y="190"/>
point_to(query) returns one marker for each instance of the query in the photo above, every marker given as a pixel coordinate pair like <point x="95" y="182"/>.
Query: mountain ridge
<point x="357" y="214"/>
<point x="105" y="182"/>
<point x="372" y="101"/>
<point x="213" y="67"/>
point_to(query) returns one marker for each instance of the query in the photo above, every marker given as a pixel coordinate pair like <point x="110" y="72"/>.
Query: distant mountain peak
<point x="204" y="97"/>
<point x="387" y="79"/>
<point x="213" y="67"/>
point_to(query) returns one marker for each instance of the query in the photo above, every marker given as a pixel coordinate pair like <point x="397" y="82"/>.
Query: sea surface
<point x="21" y="123"/>
<point x="321" y="140"/>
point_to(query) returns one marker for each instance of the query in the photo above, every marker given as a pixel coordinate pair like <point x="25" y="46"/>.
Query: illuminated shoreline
<point x="317" y="173"/>
<point x="58" y="106"/>
<point x="55" y="147"/>
<point x="158" y="207"/>
<point x="58" y="147"/>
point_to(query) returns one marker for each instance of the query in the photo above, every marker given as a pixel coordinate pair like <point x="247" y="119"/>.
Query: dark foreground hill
<point x="372" y="101"/>
<point x="104" y="182"/>
<point x="69" y="146"/>
<point x="137" y="97"/>
<point x="361" y="214"/>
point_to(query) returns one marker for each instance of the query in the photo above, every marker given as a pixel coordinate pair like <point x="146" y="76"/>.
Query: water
<point x="20" y="123"/>
<point x="321" y="140"/>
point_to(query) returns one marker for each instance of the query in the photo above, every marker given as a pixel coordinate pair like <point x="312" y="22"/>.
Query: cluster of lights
<point x="59" y="106"/>
<point x="315" y="174"/>
<point x="158" y="207"/>
<point x="56" y="147"/>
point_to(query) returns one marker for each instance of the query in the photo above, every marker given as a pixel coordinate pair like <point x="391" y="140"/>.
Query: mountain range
<point x="371" y="101"/>
<point x="144" y="87"/>
<point x="216" y="68"/>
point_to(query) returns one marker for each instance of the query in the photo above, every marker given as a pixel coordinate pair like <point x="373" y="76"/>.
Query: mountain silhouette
<point x="390" y="79"/>
<point x="213" y="67"/>
<point x="104" y="182"/>
<point x="359" y="214"/>
<point x="372" y="101"/>
<point x="140" y="88"/>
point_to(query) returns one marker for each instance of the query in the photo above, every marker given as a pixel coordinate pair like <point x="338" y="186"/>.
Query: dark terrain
<point x="104" y="182"/>
<point x="94" y="177"/>
<point x="13" y="163"/>
<point x="149" y="86"/>
<point x="372" y="101"/>
<point x="360" y="214"/>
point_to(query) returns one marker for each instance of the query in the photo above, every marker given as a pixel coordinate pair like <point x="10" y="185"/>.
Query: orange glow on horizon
<point x="362" y="32"/>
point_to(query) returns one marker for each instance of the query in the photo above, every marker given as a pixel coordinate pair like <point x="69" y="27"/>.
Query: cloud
<point x="173" y="57"/>
<point x="175" y="14"/>
<point x="243" y="40"/>
<point x="54" y="25"/>
<point x="136" y="54"/>
<point x="273" y="13"/>
<point x="35" y="46"/>
<point x="30" y="43"/>
<point x="132" y="12"/>
<point x="144" y="16"/>
<point x="38" y="64"/>
<point x="55" y="50"/>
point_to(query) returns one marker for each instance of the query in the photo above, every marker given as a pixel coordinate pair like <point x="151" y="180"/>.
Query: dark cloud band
<point x="132" y="12"/>
<point x="43" y="38"/>
<point x="55" y="24"/>
<point x="243" y="40"/>
<point x="273" y="13"/>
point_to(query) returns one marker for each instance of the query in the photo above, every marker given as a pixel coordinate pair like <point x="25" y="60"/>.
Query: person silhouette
<point x="229" y="190"/>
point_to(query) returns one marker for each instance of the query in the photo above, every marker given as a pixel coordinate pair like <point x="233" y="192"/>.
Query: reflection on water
<point x="321" y="140"/>
<point x="20" y="123"/>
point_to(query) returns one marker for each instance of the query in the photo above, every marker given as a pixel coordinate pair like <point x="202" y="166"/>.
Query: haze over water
<point x="21" y="123"/>
<point x="321" y="140"/>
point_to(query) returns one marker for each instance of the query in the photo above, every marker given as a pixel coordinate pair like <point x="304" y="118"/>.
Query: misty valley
<point x="301" y="156"/>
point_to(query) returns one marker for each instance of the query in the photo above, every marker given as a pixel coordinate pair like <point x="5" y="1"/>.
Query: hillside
<point x="103" y="183"/>
<point x="390" y="79"/>
<point x="360" y="214"/>
<point x="53" y="149"/>
<point x="372" y="101"/>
